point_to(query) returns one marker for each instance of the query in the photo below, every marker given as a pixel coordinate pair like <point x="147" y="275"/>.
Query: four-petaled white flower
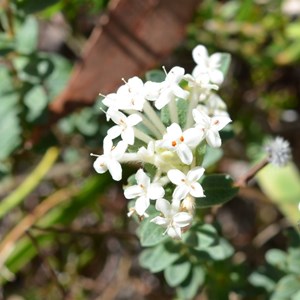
<point x="109" y="160"/>
<point x="181" y="142"/>
<point x="173" y="219"/>
<point x="207" y="65"/>
<point x="124" y="126"/>
<point x="187" y="184"/>
<point x="144" y="190"/>
<point x="163" y="92"/>
<point x="210" y="127"/>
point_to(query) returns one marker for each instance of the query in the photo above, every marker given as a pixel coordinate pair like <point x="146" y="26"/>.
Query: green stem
<point x="152" y="116"/>
<point x="142" y="136"/>
<point x="192" y="105"/>
<point x="30" y="182"/>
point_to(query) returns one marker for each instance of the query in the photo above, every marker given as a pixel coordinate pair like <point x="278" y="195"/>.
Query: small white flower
<point x="187" y="184"/>
<point x="279" y="152"/>
<point x="181" y="142"/>
<point x="144" y="190"/>
<point x="202" y="82"/>
<point x="132" y="94"/>
<point x="210" y="127"/>
<point x="173" y="220"/>
<point x="163" y="92"/>
<point x="214" y="106"/>
<point x="113" y="104"/>
<point x="124" y="126"/>
<point x="206" y="64"/>
<point x="109" y="160"/>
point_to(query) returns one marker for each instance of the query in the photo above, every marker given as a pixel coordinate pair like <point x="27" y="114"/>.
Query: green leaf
<point x="277" y="258"/>
<point x="27" y="36"/>
<point x="294" y="261"/>
<point x="10" y="130"/>
<point x="177" y="272"/>
<point x="33" y="6"/>
<point x="86" y="122"/>
<point x="201" y="236"/>
<point x="218" y="189"/>
<point x="225" y="63"/>
<point x="296" y="296"/>
<point x="182" y="107"/>
<point x="155" y="76"/>
<point x="212" y="156"/>
<point x="150" y="234"/>
<point x="288" y="286"/>
<point x="189" y="288"/>
<point x="57" y="80"/>
<point x="262" y="280"/>
<point x="36" y="101"/>
<point x="221" y="251"/>
<point x="165" y="116"/>
<point x="282" y="186"/>
<point x="158" y="258"/>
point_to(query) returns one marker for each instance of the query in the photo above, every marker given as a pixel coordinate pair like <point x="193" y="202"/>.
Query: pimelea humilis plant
<point x="170" y="125"/>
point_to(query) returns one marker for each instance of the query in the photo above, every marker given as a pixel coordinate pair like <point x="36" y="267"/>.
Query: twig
<point x="47" y="265"/>
<point x="269" y="232"/>
<point x="243" y="181"/>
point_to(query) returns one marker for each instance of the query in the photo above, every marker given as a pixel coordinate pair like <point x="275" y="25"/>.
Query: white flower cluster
<point x="141" y="135"/>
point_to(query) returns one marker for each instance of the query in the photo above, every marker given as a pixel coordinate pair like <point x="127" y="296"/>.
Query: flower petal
<point x="118" y="151"/>
<point x="192" y="137"/>
<point x="100" y="165"/>
<point x="176" y="176"/>
<point x="160" y="221"/>
<point x="215" y="60"/>
<point x="132" y="192"/>
<point x="175" y="75"/>
<point x="163" y="206"/>
<point x="114" y="131"/>
<point x="219" y="122"/>
<point x="216" y="76"/>
<point x="195" y="174"/>
<point x="128" y="135"/>
<point x="155" y="191"/>
<point x="174" y="232"/>
<point x="201" y="118"/>
<point x="200" y="55"/>
<point x="196" y="190"/>
<point x="141" y="205"/>
<point x="182" y="219"/>
<point x="179" y="92"/>
<point x="184" y="153"/>
<point x="115" y="169"/>
<point x="142" y="178"/>
<point x="213" y="138"/>
<point x="152" y="90"/>
<point x="134" y="119"/>
<point x="180" y="192"/>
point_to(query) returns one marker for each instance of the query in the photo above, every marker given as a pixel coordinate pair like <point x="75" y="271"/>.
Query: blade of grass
<point x="30" y="182"/>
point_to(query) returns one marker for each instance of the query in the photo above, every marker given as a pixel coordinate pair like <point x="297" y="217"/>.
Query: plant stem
<point x="243" y="181"/>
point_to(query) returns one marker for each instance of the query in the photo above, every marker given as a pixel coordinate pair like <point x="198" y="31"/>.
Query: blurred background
<point x="64" y="231"/>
